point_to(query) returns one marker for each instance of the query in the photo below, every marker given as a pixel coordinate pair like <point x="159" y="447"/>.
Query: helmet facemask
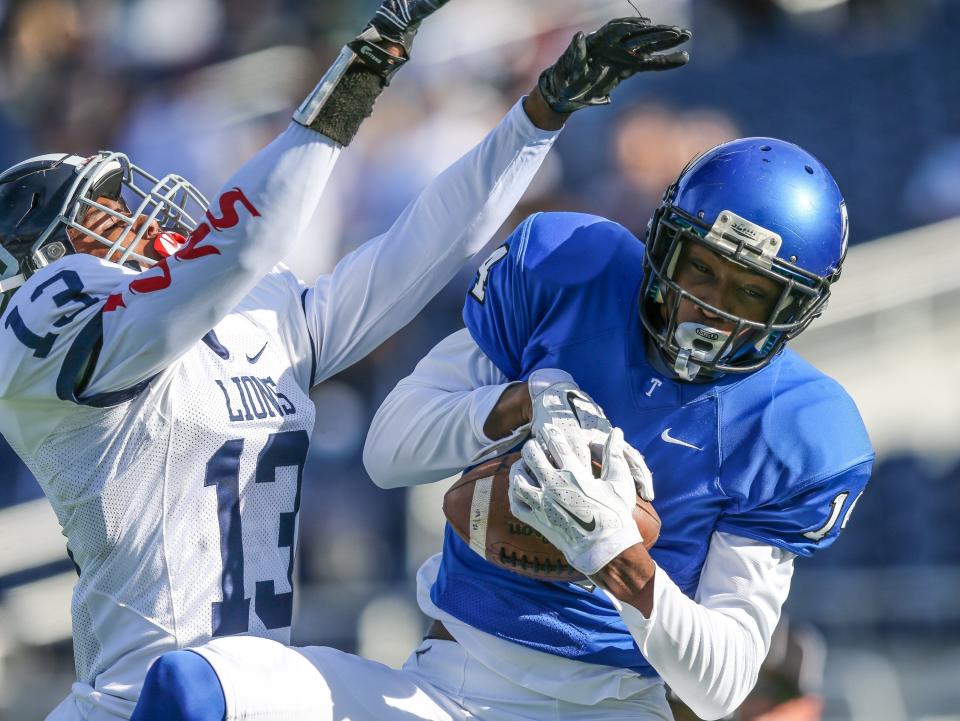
<point x="697" y="350"/>
<point x="47" y="201"/>
<point x="171" y="202"/>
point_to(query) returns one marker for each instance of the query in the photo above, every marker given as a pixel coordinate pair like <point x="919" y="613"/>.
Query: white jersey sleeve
<point x="377" y="289"/>
<point x="150" y="320"/>
<point x="709" y="649"/>
<point x="430" y="426"/>
<point x="42" y="337"/>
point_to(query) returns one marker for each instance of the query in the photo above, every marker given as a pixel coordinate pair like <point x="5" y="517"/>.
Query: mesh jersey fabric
<point x="178" y="495"/>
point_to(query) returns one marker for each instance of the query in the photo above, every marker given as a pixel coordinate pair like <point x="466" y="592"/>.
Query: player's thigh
<point x="84" y="704"/>
<point x="66" y="710"/>
<point x="651" y="705"/>
<point x="264" y="679"/>
<point x="362" y="690"/>
<point x="487" y="695"/>
<point x="267" y="681"/>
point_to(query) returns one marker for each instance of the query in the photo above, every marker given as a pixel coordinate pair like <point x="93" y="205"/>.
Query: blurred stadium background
<point x="870" y="86"/>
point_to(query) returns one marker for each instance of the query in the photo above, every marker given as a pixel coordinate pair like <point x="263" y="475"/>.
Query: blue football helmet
<point x="43" y="197"/>
<point x="765" y="205"/>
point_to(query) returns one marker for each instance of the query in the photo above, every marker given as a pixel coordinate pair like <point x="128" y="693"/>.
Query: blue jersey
<point x="779" y="455"/>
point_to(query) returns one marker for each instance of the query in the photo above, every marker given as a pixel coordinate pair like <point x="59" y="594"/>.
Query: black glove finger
<point x="653" y="29"/>
<point x="423" y="8"/>
<point x="665" y="38"/>
<point x="574" y="57"/>
<point x="666" y="62"/>
<point x="615" y="30"/>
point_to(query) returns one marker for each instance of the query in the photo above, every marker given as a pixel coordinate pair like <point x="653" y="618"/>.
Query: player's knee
<point x="181" y="686"/>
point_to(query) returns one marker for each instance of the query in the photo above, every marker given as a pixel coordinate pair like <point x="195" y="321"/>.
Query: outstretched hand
<point x="398" y="20"/>
<point x="593" y="65"/>
<point x="384" y="44"/>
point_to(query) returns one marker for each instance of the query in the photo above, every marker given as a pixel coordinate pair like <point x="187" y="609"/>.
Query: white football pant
<point x="267" y="681"/>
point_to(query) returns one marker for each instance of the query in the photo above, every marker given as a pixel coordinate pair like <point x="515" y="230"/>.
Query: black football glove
<point x="396" y="21"/>
<point x="399" y="20"/>
<point x="593" y="65"/>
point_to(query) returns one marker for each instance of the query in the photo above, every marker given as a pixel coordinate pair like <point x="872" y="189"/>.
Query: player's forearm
<point x="630" y="578"/>
<point x="512" y="410"/>
<point x="541" y="114"/>
<point x="430" y="426"/>
<point x="384" y="283"/>
<point x="284" y="182"/>
<point x="709" y="650"/>
<point x="709" y="659"/>
<point x="421" y="434"/>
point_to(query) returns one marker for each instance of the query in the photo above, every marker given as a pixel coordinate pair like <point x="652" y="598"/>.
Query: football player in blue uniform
<point x="756" y="456"/>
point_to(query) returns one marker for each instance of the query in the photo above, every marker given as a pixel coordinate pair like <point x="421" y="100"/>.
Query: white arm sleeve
<point x="431" y="425"/>
<point x="263" y="209"/>
<point x="709" y="650"/>
<point x="380" y="287"/>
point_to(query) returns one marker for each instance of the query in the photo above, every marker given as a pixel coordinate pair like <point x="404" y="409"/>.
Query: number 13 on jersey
<point x="232" y="614"/>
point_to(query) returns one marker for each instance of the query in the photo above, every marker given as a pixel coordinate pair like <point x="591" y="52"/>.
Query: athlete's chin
<point x="151" y="253"/>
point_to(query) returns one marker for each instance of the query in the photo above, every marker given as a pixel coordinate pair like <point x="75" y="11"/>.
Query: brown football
<point x="478" y="509"/>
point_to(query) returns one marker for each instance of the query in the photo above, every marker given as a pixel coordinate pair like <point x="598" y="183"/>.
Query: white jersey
<point x="180" y="503"/>
<point x="166" y="414"/>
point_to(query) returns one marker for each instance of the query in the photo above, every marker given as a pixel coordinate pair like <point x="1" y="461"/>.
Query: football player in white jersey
<point x="156" y="359"/>
<point x="254" y="677"/>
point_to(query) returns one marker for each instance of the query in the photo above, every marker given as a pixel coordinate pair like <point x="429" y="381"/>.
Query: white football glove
<point x="589" y="519"/>
<point x="560" y="402"/>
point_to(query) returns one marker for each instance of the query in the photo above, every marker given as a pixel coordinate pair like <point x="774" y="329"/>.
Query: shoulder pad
<point x="575" y="248"/>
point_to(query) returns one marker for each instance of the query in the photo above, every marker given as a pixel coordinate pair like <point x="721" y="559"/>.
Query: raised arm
<point x="259" y="214"/>
<point x="378" y="288"/>
<point x="381" y="286"/>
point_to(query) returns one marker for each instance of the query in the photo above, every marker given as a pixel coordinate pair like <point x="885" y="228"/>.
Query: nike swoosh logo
<point x="573" y="407"/>
<point x="421" y="652"/>
<point x="665" y="436"/>
<point x="583" y="524"/>
<point x="255" y="358"/>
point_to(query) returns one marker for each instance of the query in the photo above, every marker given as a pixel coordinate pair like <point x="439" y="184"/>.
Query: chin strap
<point x="698" y="344"/>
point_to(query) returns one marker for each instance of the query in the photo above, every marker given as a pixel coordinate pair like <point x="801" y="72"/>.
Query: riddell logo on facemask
<point x="745" y="230"/>
<point x="709" y="335"/>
